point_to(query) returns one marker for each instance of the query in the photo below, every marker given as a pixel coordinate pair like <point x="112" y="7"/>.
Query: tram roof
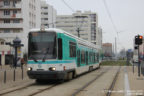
<point x="80" y="41"/>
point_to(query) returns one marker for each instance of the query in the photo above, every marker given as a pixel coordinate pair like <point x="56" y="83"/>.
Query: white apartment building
<point x="16" y="18"/>
<point x="99" y="37"/>
<point x="48" y="15"/>
<point x="86" y="22"/>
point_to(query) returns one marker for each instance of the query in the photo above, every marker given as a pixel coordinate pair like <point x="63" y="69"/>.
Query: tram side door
<point x="78" y="58"/>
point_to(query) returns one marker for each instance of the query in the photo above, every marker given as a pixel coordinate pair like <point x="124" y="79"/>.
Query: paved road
<point x="127" y="84"/>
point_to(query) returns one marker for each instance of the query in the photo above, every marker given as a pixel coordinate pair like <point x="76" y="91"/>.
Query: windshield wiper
<point x="45" y="55"/>
<point x="34" y="58"/>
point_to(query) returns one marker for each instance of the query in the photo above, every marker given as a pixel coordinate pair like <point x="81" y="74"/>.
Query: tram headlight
<point x="29" y="69"/>
<point x="52" y="68"/>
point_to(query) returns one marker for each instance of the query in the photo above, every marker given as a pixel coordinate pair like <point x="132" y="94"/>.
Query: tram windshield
<point x="42" y="45"/>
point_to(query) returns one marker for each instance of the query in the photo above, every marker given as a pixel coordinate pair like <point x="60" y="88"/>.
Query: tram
<point x="57" y="54"/>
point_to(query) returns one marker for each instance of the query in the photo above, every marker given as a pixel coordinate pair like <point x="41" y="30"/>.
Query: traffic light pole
<point x="138" y="62"/>
<point x="138" y="41"/>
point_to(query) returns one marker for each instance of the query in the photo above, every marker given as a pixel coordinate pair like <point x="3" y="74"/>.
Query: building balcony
<point x="18" y="15"/>
<point x="44" y="10"/>
<point x="11" y="25"/>
<point x="10" y="35"/>
<point x="4" y="48"/>
<point x="16" y="6"/>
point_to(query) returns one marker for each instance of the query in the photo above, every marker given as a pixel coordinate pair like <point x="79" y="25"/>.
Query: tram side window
<point x="95" y="57"/>
<point x="72" y="49"/>
<point x="98" y="57"/>
<point x="91" y="57"/>
<point x="60" y="48"/>
<point x="83" y="57"/>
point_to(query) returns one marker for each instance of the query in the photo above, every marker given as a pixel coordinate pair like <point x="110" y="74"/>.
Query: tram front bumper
<point x="46" y="74"/>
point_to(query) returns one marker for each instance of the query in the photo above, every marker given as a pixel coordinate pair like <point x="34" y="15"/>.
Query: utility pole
<point x="115" y="48"/>
<point x="78" y="31"/>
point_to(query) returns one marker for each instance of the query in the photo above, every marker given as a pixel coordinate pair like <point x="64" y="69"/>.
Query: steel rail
<point x="87" y="84"/>
<point x="42" y="90"/>
<point x="1" y="94"/>
<point x="113" y="83"/>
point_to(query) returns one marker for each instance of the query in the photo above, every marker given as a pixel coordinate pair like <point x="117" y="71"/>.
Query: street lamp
<point x="16" y="44"/>
<point x="78" y="29"/>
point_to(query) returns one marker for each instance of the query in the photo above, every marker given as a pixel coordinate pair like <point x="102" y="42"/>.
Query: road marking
<point x="126" y="82"/>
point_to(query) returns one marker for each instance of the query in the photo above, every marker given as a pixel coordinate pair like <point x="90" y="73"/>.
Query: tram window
<point x="98" y="57"/>
<point x="90" y="57"/>
<point x="95" y="57"/>
<point x="82" y="57"/>
<point x="86" y="58"/>
<point x="60" y="48"/>
<point x="72" y="49"/>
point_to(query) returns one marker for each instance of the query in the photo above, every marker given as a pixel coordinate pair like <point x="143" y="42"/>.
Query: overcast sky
<point x="127" y="16"/>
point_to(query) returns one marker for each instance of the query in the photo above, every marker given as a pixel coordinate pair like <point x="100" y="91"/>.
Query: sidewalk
<point x="10" y="77"/>
<point x="136" y="83"/>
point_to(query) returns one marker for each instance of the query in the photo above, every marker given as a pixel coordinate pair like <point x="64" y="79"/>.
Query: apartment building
<point x="48" y="15"/>
<point x="107" y="49"/>
<point x="84" y="25"/>
<point x="17" y="17"/>
<point x="99" y="37"/>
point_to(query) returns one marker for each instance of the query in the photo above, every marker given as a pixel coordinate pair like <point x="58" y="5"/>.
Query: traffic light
<point x="138" y="39"/>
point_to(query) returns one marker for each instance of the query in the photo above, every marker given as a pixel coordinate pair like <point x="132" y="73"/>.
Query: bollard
<point x="22" y="73"/>
<point x="5" y="76"/>
<point x="133" y="68"/>
<point x="14" y="75"/>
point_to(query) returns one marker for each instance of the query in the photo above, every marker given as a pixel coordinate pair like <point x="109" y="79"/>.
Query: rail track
<point x="42" y="90"/>
<point x="28" y="86"/>
<point x="13" y="90"/>
<point x="109" y="91"/>
<point x="90" y="82"/>
<point x="38" y="90"/>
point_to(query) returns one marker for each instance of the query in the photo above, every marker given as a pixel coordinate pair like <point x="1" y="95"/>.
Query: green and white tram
<point x="56" y="54"/>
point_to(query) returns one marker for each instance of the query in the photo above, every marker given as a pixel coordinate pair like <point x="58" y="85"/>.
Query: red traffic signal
<point x="138" y="39"/>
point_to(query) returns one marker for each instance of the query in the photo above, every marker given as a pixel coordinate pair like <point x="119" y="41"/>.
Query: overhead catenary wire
<point x="68" y="5"/>
<point x="110" y="17"/>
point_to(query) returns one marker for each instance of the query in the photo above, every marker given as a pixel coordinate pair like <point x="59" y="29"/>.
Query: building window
<point x="72" y="49"/>
<point x="16" y="31"/>
<point x="6" y="2"/>
<point x="45" y="24"/>
<point x="14" y="11"/>
<point x="45" y="7"/>
<point x="2" y="42"/>
<point x="16" y="21"/>
<point x="45" y="18"/>
<point x="7" y="31"/>
<point x="14" y="2"/>
<point x="6" y="12"/>
<point x="45" y="13"/>
<point x="7" y="21"/>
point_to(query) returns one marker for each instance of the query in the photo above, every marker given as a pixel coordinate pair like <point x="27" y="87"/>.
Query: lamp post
<point x="78" y="29"/>
<point x="16" y="44"/>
